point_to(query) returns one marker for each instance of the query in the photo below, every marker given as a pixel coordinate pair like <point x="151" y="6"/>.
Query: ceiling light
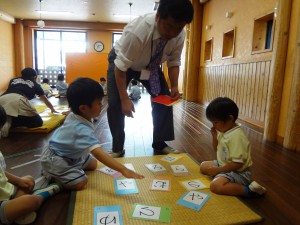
<point x="40" y="22"/>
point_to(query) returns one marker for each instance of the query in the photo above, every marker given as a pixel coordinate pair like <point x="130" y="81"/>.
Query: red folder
<point x="165" y="100"/>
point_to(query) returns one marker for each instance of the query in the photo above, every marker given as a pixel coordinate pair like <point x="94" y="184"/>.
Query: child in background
<point x="16" y="203"/>
<point x="61" y="86"/>
<point x="232" y="169"/>
<point x="103" y="85"/>
<point x="135" y="92"/>
<point x="46" y="87"/>
<point x="74" y="147"/>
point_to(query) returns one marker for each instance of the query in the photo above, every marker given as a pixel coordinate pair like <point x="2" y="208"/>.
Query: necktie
<point x="154" y="66"/>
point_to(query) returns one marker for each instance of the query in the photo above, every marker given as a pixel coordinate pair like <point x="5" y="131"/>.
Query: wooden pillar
<point x="19" y="47"/>
<point x="193" y="54"/>
<point x="185" y="73"/>
<point x="292" y="131"/>
<point x="277" y="69"/>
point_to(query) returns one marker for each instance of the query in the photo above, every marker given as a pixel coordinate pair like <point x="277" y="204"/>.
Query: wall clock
<point x="98" y="46"/>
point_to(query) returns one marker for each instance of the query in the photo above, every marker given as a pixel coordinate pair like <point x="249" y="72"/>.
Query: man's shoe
<point x="116" y="154"/>
<point x="166" y="150"/>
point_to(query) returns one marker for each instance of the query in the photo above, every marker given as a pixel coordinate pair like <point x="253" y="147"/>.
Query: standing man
<point x="147" y="42"/>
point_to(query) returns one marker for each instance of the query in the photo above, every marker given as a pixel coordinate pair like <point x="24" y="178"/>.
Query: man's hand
<point x="127" y="107"/>
<point x="174" y="93"/>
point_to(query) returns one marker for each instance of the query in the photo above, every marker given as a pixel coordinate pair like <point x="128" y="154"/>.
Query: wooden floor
<point x="274" y="167"/>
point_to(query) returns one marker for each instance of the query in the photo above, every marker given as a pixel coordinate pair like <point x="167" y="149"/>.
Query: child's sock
<point x="27" y="219"/>
<point x="254" y="189"/>
<point x="48" y="191"/>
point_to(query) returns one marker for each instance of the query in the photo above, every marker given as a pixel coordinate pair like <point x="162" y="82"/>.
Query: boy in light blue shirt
<point x="74" y="147"/>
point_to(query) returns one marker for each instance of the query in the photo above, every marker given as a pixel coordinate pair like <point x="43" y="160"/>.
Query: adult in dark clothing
<point x="16" y="102"/>
<point x="147" y="42"/>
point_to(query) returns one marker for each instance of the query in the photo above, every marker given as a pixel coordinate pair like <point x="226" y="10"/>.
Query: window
<point x="263" y="34"/>
<point x="51" y="48"/>
<point x="115" y="38"/>
<point x="208" y="50"/>
<point x="228" y="44"/>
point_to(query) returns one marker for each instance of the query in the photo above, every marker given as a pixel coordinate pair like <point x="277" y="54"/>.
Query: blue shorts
<point x="242" y="178"/>
<point x="3" y="219"/>
<point x="67" y="171"/>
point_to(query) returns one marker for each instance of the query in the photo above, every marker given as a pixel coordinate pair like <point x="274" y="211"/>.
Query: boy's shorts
<point x="242" y="178"/>
<point x="67" y="171"/>
<point x="3" y="219"/>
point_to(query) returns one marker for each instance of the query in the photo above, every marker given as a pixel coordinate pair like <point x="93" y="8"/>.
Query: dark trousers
<point x="163" y="128"/>
<point x="27" y="121"/>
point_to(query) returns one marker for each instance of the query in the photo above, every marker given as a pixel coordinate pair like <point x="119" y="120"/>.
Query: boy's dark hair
<point x="61" y="77"/>
<point x="2" y="117"/>
<point x="134" y="82"/>
<point x="28" y="73"/>
<point x="221" y="108"/>
<point x="180" y="10"/>
<point x="102" y="79"/>
<point x="83" y="91"/>
<point x="46" y="80"/>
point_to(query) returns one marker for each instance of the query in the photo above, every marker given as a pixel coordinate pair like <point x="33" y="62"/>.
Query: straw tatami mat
<point x="50" y="121"/>
<point x="100" y="191"/>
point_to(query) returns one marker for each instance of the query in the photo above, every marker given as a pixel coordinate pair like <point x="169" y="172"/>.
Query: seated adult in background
<point x="15" y="100"/>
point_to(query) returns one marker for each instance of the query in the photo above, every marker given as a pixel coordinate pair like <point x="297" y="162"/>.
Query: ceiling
<point x="79" y="10"/>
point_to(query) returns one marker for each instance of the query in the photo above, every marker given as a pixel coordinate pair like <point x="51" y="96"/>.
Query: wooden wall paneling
<point x="238" y="85"/>
<point x="255" y="94"/>
<point x="208" y="88"/>
<point x="211" y="83"/>
<point x="249" y="88"/>
<point x="265" y="90"/>
<point x="226" y="81"/>
<point x="221" y="83"/>
<point x="217" y="89"/>
<point x="204" y="84"/>
<point x="251" y="106"/>
<point x="234" y="81"/>
<point x="260" y="88"/>
<point x="245" y="91"/>
<point x="241" y="83"/>
<point x="230" y="86"/>
<point x="244" y="87"/>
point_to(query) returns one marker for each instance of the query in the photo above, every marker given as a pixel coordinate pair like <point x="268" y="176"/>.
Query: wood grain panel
<point x="245" y="83"/>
